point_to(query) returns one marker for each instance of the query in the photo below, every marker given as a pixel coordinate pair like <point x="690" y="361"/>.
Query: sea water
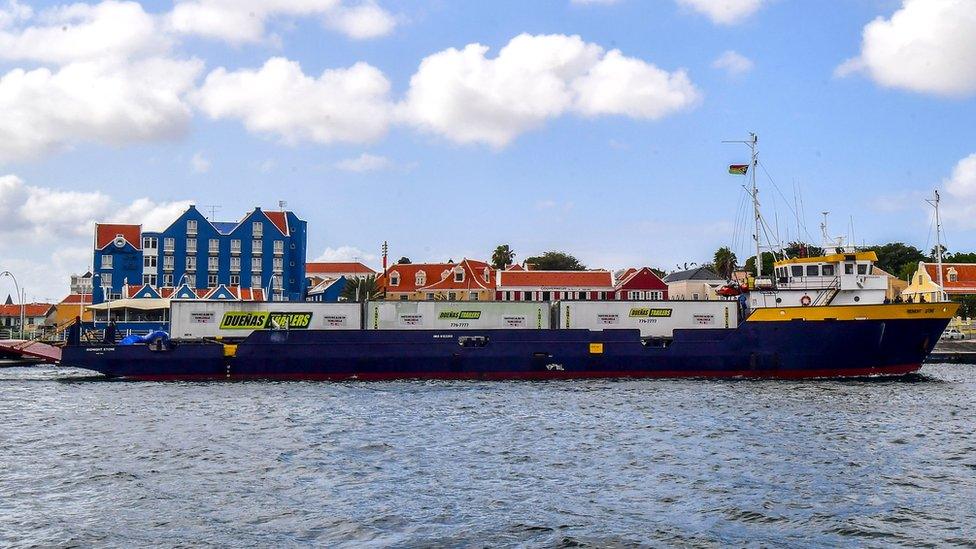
<point x="85" y="461"/>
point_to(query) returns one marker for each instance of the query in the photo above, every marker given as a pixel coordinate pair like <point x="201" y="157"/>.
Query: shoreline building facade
<point x="264" y="251"/>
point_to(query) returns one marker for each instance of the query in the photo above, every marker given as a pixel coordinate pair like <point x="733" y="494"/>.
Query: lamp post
<point x="20" y="297"/>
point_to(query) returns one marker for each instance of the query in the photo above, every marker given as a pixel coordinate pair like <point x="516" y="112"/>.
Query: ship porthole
<point x="779" y="300"/>
<point x="857" y="298"/>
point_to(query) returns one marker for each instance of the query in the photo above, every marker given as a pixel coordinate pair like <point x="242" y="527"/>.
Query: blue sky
<point x="617" y="176"/>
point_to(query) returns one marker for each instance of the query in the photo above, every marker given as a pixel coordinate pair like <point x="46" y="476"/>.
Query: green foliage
<point x="502" y="257"/>
<point x="724" y="262"/>
<point x="767" y="264"/>
<point x="961" y="257"/>
<point x="555" y="261"/>
<point x="898" y="258"/>
<point x="361" y="289"/>
<point x="802" y="249"/>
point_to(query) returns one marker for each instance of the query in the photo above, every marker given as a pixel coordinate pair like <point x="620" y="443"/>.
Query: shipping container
<point x="456" y="315"/>
<point x="196" y="319"/>
<point x="652" y="318"/>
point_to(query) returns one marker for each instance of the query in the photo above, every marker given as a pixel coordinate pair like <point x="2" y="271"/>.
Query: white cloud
<point x="733" y="63"/>
<point x="13" y="13"/>
<point x="927" y="46"/>
<point x="361" y="22"/>
<point x="78" y="32"/>
<point x="243" y="21"/>
<point x="365" y="162"/>
<point x="46" y="214"/>
<point x="961" y="187"/>
<point x="341" y="105"/>
<point x="724" y="12"/>
<point x="199" y="163"/>
<point x="105" y="102"/>
<point x="469" y="98"/>
<point x="346" y="253"/>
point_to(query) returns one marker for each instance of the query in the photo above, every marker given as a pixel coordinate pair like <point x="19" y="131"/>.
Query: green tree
<point x="962" y="257"/>
<point x="502" y="257"/>
<point x="403" y="261"/>
<point x="897" y="258"/>
<point x="724" y="261"/>
<point x="361" y="289"/>
<point x="802" y="249"/>
<point x="555" y="261"/>
<point x="945" y="253"/>
<point x="767" y="264"/>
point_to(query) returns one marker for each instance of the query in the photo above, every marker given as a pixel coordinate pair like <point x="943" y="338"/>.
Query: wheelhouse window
<point x="813" y="270"/>
<point x="848" y="268"/>
<point x="862" y="269"/>
<point x="828" y="270"/>
<point x="796" y="271"/>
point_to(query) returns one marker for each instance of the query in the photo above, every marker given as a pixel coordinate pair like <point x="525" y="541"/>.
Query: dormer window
<point x="459" y="275"/>
<point x="394" y="278"/>
<point x="421" y="278"/>
<point x="953" y="275"/>
<point x="487" y="274"/>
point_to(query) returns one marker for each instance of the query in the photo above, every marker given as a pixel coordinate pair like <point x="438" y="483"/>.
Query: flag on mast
<point x="738" y="169"/>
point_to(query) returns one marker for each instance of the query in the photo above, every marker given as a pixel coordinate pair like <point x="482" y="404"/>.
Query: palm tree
<point x="361" y="289"/>
<point x="724" y="261"/>
<point x="502" y="257"/>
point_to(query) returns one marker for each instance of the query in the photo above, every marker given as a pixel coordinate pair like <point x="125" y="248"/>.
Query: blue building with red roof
<point x="259" y="257"/>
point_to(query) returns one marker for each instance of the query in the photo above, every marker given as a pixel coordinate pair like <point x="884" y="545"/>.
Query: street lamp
<point x="20" y="297"/>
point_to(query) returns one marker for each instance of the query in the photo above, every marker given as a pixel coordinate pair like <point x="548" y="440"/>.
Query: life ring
<point x="805" y="301"/>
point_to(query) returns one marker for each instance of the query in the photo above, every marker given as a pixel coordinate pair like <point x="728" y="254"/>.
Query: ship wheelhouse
<point x="844" y="278"/>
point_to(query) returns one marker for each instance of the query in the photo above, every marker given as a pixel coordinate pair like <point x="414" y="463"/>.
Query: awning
<point x="143" y="304"/>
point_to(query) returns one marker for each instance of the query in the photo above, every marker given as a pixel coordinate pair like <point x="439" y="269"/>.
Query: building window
<point x="694" y="297"/>
<point x="211" y="281"/>
<point x="107" y="280"/>
<point x="459" y="275"/>
<point x="191" y="226"/>
<point x="487" y="274"/>
<point x="394" y="278"/>
<point x="212" y="263"/>
<point x="149" y="261"/>
<point x="451" y="296"/>
<point x="473" y="296"/>
<point x="953" y="275"/>
<point x="214" y="246"/>
<point x="191" y="245"/>
<point x="106" y="262"/>
<point x="276" y="282"/>
<point x="256" y="264"/>
<point x="168" y="262"/>
<point x="191" y="263"/>
<point x="255" y="281"/>
<point x="526" y="296"/>
<point x="601" y="295"/>
<point x="235" y="264"/>
<point x="235" y="280"/>
<point x="149" y="279"/>
<point x="169" y="244"/>
<point x="149" y="242"/>
<point x="421" y="278"/>
<point x="279" y="247"/>
<point x="257" y="229"/>
<point x="256" y="247"/>
<point x="430" y="295"/>
<point x="277" y="264"/>
<point x="403" y="297"/>
<point x="235" y="246"/>
<point x="168" y="280"/>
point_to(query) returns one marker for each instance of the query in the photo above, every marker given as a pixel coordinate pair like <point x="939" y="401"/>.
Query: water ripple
<point x="596" y="463"/>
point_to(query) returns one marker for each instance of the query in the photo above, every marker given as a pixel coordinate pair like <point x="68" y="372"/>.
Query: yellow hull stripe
<point x="893" y="311"/>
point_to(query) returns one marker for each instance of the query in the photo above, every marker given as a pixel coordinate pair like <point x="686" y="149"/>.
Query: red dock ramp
<point x="30" y="349"/>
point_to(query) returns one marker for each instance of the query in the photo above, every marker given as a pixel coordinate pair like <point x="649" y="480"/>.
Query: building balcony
<point x="256" y="251"/>
<point x="168" y="268"/>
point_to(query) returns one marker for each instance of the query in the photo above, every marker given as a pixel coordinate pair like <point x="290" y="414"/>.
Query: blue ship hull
<point x="791" y="349"/>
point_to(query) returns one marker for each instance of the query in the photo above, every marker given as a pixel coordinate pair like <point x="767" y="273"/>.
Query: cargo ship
<point x="819" y="317"/>
<point x="812" y="317"/>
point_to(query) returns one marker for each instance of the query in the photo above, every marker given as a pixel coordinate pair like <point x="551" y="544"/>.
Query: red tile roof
<point x="408" y="275"/>
<point x="105" y="233"/>
<point x="640" y="279"/>
<point x="515" y="267"/>
<point x="556" y="279"/>
<point x="965" y="282"/>
<point x="280" y="220"/>
<point x="474" y="278"/>
<point x="332" y="267"/>
<point x="76" y="299"/>
<point x="30" y="310"/>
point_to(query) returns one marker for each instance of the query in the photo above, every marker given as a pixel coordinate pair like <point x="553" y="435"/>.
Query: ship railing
<point x="825" y="298"/>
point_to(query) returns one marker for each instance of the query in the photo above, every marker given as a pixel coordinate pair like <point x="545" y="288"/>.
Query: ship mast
<point x="753" y="147"/>
<point x="938" y="237"/>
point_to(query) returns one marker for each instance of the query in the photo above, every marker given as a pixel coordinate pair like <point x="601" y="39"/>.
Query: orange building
<point x="469" y="280"/>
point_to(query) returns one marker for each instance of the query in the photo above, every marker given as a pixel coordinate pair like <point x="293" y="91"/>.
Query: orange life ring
<point x="805" y="300"/>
